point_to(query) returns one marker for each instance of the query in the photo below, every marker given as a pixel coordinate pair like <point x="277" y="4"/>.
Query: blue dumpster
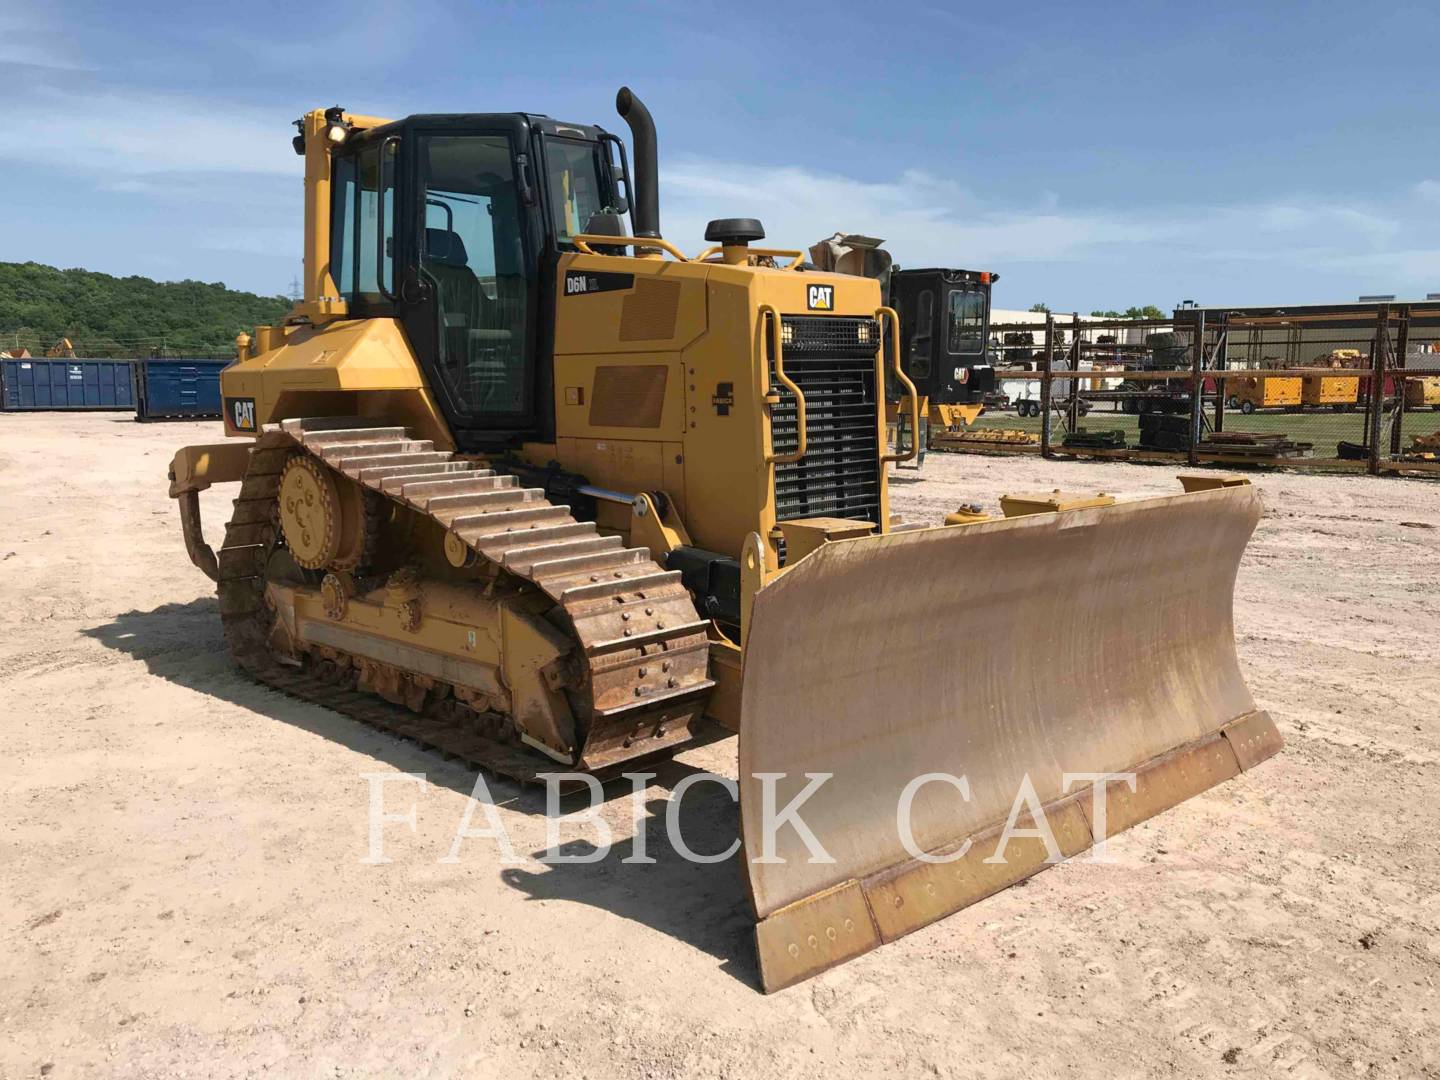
<point x="177" y="388"/>
<point x="65" y="384"/>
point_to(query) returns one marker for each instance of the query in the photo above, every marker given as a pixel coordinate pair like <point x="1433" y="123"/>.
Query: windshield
<point x="575" y="185"/>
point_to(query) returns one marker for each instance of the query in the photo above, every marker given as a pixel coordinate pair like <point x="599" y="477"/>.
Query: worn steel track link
<point x="644" y="647"/>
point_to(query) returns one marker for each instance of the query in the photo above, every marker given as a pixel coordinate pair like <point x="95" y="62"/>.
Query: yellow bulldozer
<point x="521" y="480"/>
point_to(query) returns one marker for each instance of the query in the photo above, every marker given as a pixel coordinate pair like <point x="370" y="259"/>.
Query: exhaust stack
<point x="647" y="166"/>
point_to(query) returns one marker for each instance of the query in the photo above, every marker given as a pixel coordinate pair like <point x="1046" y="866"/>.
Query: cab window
<point x="362" y="189"/>
<point x="920" y="342"/>
<point x="472" y="254"/>
<point x="967" y="322"/>
<point x="576" y="189"/>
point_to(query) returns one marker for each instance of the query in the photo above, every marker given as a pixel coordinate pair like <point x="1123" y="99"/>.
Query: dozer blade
<point x="1095" y="641"/>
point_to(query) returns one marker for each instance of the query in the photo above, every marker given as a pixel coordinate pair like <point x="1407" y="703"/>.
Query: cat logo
<point x="820" y="297"/>
<point x="241" y="411"/>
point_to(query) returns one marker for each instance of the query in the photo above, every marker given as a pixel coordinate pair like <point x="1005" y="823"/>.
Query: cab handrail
<point x="583" y="241"/>
<point x="797" y="258"/>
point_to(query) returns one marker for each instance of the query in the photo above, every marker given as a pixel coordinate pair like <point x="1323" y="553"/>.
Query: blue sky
<point x="1095" y="155"/>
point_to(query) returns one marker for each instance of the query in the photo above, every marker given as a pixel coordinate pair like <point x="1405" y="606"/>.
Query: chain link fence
<point x="1349" y="388"/>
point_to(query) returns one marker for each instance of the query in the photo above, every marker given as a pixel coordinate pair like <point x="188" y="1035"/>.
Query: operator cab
<point x="453" y="224"/>
<point x="946" y="314"/>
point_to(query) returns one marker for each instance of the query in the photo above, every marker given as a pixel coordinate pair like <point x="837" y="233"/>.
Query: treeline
<point x="108" y="316"/>
<point x="1149" y="311"/>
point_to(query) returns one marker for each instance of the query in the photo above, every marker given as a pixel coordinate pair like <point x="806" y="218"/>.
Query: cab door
<point x="468" y="295"/>
<point x="967" y="314"/>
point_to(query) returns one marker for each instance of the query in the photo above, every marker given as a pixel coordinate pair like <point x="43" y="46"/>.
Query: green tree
<point x="1042" y="307"/>
<point x="1149" y="311"/>
<point x="106" y="316"/>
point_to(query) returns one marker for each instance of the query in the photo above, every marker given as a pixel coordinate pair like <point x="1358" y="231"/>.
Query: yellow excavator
<point x="520" y="480"/>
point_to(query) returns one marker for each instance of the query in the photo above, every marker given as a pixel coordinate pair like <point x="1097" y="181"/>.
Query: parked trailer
<point x="1337" y="391"/>
<point x="177" y="389"/>
<point x="1423" y="392"/>
<point x="31" y="385"/>
<point x="1264" y="392"/>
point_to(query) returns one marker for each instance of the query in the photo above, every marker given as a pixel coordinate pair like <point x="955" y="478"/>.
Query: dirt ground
<point x="183" y="891"/>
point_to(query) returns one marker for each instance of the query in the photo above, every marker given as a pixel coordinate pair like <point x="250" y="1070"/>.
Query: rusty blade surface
<point x="1083" y="642"/>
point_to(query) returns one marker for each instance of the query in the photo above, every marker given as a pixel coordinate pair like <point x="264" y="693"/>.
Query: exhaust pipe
<point x="646" y="192"/>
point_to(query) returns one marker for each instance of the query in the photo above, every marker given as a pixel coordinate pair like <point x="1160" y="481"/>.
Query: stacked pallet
<point x="982" y="439"/>
<point x="1248" y="445"/>
<point x="1095" y="440"/>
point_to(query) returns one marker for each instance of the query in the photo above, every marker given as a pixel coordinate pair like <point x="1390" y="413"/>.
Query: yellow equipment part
<point x="1051" y="502"/>
<point x="439" y="573"/>
<point x="1105" y="646"/>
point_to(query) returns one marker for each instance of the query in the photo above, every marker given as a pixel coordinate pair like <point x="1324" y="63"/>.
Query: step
<point x="649" y="701"/>
<point x="483" y="485"/>
<point x="445" y="470"/>
<point x="344" y="451"/>
<point x="472" y="527"/>
<point x="609" y="588"/>
<point x="457" y="506"/>
<point x="352" y="466"/>
<point x="646" y="637"/>
<point x="504" y="544"/>
<point x="310" y="424"/>
<point x="381" y="472"/>
<point x="441" y="485"/>
<point x="561" y="569"/>
<point x="343" y="435"/>
<point x="522" y="560"/>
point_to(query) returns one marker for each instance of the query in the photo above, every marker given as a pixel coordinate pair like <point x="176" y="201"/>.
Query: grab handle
<point x="893" y="336"/>
<point x="772" y="338"/>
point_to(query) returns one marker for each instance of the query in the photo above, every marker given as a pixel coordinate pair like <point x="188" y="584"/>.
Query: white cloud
<point x="1429" y="190"/>
<point x="929" y="221"/>
<point x="33" y="37"/>
<point x="108" y="133"/>
<point x="169" y="150"/>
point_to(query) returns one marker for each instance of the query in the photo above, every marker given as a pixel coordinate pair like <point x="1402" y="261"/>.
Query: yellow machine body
<point x="1106" y="645"/>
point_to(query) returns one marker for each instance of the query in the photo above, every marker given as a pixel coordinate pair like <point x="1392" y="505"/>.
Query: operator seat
<point x="461" y="301"/>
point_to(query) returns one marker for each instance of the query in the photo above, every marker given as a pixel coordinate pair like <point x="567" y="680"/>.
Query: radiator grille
<point x="832" y="360"/>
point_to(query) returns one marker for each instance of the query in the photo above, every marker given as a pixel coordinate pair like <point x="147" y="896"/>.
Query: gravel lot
<point x="183" y="887"/>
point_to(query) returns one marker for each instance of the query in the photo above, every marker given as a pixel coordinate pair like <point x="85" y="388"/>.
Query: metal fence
<point x="1347" y="388"/>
